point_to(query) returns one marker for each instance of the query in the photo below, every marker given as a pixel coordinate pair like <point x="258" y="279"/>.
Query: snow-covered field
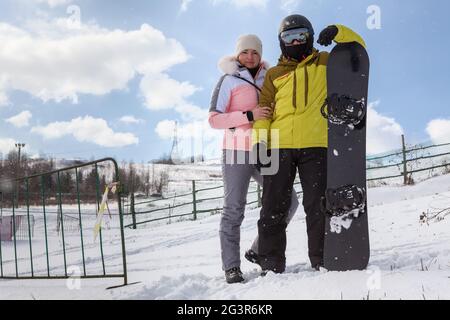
<point x="409" y="259"/>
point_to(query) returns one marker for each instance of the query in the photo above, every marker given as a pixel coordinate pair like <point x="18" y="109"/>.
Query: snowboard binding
<point x="344" y="110"/>
<point x="343" y="200"/>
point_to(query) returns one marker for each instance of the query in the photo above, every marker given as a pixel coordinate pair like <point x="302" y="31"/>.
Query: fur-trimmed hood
<point x="229" y="65"/>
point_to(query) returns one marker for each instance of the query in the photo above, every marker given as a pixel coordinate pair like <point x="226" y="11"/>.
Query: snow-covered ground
<point x="409" y="259"/>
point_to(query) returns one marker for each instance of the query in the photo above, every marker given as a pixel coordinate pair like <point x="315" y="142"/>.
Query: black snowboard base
<point x="346" y="232"/>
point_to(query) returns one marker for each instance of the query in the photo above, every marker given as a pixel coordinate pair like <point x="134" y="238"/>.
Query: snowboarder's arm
<point x="266" y="99"/>
<point x="348" y="35"/>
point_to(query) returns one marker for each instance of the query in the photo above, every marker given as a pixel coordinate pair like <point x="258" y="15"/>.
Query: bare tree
<point x="162" y="182"/>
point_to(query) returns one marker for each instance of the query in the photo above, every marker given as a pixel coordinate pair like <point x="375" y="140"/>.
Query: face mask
<point x="296" y="52"/>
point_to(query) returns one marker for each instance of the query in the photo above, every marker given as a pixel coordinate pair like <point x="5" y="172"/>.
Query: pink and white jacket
<point x="231" y="98"/>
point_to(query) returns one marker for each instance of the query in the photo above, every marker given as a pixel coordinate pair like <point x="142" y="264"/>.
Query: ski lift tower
<point x="174" y="152"/>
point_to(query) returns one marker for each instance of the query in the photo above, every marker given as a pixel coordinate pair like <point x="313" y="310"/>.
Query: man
<point x="297" y="89"/>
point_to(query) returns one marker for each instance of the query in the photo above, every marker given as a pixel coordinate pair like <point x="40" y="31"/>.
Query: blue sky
<point x="66" y="84"/>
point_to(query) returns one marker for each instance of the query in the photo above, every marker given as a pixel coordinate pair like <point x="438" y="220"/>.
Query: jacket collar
<point x="230" y="66"/>
<point x="283" y="61"/>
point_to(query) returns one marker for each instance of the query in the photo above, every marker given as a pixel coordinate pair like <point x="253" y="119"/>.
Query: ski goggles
<point x="299" y="34"/>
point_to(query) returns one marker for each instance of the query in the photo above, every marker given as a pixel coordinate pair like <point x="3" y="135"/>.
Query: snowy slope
<point x="409" y="260"/>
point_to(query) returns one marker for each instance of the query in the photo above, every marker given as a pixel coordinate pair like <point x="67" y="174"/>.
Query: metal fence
<point x="52" y="239"/>
<point x="203" y="201"/>
<point x="407" y="161"/>
<point x="192" y="205"/>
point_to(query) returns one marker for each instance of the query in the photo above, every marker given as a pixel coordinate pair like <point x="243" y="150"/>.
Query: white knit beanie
<point x="248" y="41"/>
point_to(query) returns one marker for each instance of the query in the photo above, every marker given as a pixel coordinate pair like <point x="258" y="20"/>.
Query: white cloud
<point x="87" y="129"/>
<point x="21" y="120"/>
<point x="131" y="120"/>
<point x="4" y="101"/>
<point x="6" y="145"/>
<point x="165" y="129"/>
<point x="243" y="3"/>
<point x="383" y="133"/>
<point x="439" y="130"/>
<point x="54" y="3"/>
<point x="54" y="61"/>
<point x="290" y="6"/>
<point x="191" y="112"/>
<point x="161" y="92"/>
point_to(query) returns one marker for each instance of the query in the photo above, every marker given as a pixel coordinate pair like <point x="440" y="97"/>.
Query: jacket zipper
<point x="294" y="95"/>
<point x="306" y="86"/>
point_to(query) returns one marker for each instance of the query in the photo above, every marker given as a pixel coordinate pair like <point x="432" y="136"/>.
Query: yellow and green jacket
<point x="297" y="91"/>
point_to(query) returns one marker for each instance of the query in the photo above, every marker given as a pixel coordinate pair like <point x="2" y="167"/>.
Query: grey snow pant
<point x="237" y="171"/>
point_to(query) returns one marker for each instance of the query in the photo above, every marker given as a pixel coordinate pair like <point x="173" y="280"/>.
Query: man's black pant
<point x="277" y="190"/>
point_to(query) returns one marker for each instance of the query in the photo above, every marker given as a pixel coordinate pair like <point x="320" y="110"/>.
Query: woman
<point x="234" y="109"/>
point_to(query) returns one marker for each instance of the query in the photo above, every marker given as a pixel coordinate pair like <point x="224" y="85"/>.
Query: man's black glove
<point x="261" y="156"/>
<point x="327" y="35"/>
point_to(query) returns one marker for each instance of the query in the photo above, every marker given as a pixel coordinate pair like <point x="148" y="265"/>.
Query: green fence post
<point x="169" y="215"/>
<point x="29" y="224"/>
<point x="61" y="216"/>
<point x="405" y="170"/>
<point x="122" y="232"/>
<point x="14" y="233"/>
<point x="80" y="222"/>
<point x="133" y="212"/>
<point x="194" y="201"/>
<point x="45" y="223"/>
<point x="98" y="197"/>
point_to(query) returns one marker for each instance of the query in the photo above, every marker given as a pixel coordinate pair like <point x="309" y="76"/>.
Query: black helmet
<point x="296" y="21"/>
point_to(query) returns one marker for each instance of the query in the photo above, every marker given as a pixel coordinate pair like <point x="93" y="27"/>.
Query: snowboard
<point x="346" y="244"/>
